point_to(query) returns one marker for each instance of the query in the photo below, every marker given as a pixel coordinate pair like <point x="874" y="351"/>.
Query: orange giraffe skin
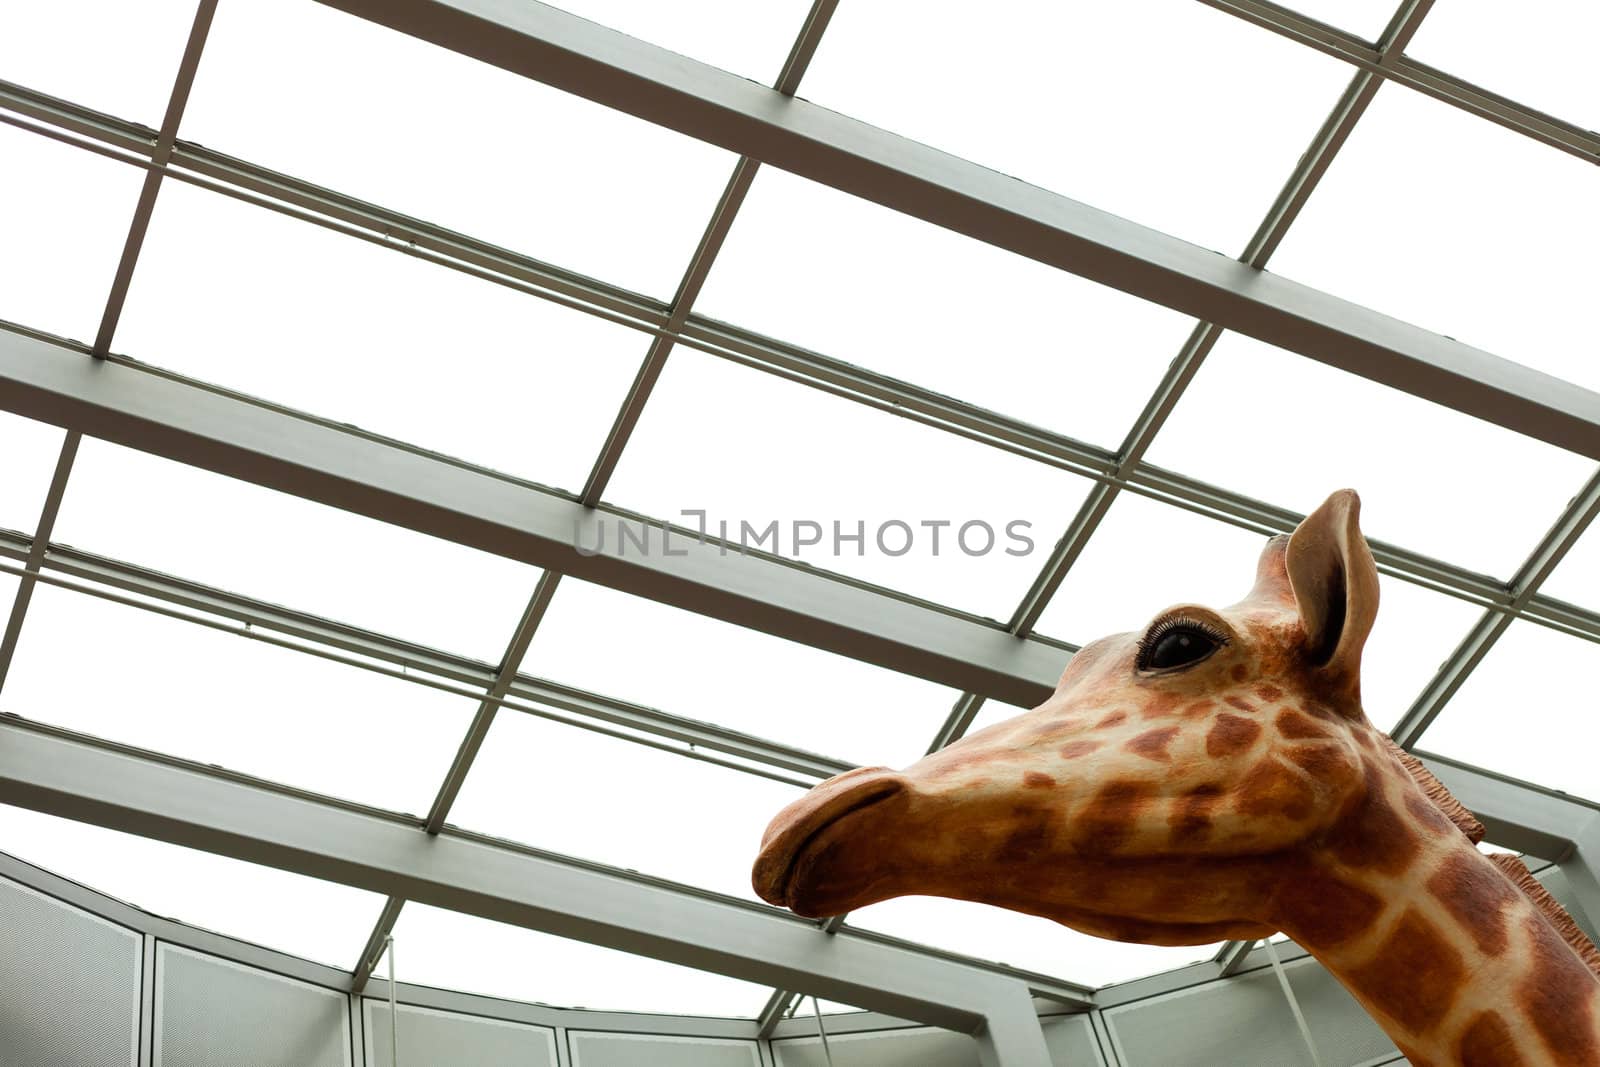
<point x="1230" y="797"/>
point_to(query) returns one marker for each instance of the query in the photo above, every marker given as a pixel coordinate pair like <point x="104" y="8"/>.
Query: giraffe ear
<point x="1335" y="583"/>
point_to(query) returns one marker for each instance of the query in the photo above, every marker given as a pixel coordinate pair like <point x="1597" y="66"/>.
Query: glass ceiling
<point x="1171" y="113"/>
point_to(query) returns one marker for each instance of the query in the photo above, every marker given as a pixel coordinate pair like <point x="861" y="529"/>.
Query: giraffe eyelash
<point x="1147" y="643"/>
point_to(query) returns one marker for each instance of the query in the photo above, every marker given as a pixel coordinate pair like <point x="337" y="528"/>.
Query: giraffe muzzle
<point x="796" y="828"/>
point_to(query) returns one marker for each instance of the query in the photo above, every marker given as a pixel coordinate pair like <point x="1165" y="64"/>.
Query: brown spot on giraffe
<point x="1109" y="821"/>
<point x="1272" y="789"/>
<point x="1074" y="749"/>
<point x="1416" y="973"/>
<point x="1230" y="735"/>
<point x="1487" y="1042"/>
<point x="1479" y="897"/>
<point x="1557" y="997"/>
<point x="1037" y="780"/>
<point x="1240" y="702"/>
<point x="1152" y="744"/>
<point x="1116" y="718"/>
<point x="1427" y="816"/>
<point x="1326" y="910"/>
<point x="1240" y="672"/>
<point x="1269" y="692"/>
<point x="1379" y="839"/>
<point x="1297" y="727"/>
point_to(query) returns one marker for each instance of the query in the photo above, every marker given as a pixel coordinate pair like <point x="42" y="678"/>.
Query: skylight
<point x="65" y="216"/>
<point x="31" y="449"/>
<point x="454" y="951"/>
<point x="938" y="516"/>
<point x="388" y="118"/>
<point x="1192" y="131"/>
<point x="118" y="56"/>
<point x="177" y="687"/>
<point x="286" y="550"/>
<point x="699" y="668"/>
<point x="281" y="309"/>
<point x="1487" y="235"/>
<point x="1285" y="429"/>
<point x="926" y="305"/>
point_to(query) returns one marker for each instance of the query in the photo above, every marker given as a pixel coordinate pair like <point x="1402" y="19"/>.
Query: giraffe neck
<point x="1450" y="957"/>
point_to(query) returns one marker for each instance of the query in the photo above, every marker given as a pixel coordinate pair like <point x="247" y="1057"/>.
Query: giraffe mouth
<point x="792" y="833"/>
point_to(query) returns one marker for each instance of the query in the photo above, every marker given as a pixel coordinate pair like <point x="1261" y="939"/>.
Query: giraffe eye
<point x="1174" y="643"/>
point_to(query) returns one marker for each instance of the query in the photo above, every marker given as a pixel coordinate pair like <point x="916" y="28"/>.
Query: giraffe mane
<point x="1465" y="821"/>
<point x="1513" y="868"/>
<point x="1510" y="866"/>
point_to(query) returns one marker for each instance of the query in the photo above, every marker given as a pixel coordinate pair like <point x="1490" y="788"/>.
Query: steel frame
<point x="621" y="72"/>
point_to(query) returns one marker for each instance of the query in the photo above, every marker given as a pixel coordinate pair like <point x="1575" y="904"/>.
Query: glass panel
<point x="1024" y="941"/>
<point x="191" y="691"/>
<point x="1540" y="54"/>
<point x="748" y="39"/>
<point x="384" y="341"/>
<point x="700" y="668"/>
<point x="285" y="550"/>
<point x="117" y="56"/>
<point x="1416" y="631"/>
<point x="1577" y="577"/>
<point x="1526" y="711"/>
<point x="626" y="805"/>
<point x="930" y="306"/>
<point x="1168" y="112"/>
<point x="65" y="215"/>
<point x="1364" y="17"/>
<point x="1488" y="236"/>
<point x="420" y="129"/>
<point x="1147" y="556"/>
<point x="302" y="916"/>
<point x="747" y="447"/>
<point x="1288" y="430"/>
<point x="31" y="450"/>
<point x="449" y="950"/>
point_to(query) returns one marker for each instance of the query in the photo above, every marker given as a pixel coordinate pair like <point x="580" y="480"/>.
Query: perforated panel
<point x="645" y="1050"/>
<point x="1243" y="1021"/>
<point x="1071" y="1042"/>
<point x="69" y="985"/>
<point x="213" y="1013"/>
<point x="1342" y="1029"/>
<point x="430" y="1038"/>
<point x="887" y="1048"/>
<point x="1246" y="1022"/>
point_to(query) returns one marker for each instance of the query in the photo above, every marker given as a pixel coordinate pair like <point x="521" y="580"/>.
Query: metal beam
<point x="160" y="153"/>
<point x="705" y="254"/>
<point x="34" y="556"/>
<point x="416" y="664"/>
<point x="1516" y="814"/>
<point x="187" y="805"/>
<point x="551" y="46"/>
<point x="343" y="468"/>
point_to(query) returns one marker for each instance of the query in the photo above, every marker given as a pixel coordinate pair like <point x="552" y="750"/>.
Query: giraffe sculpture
<point x="1216" y="778"/>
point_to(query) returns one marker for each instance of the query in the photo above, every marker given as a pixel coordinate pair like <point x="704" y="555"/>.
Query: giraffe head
<point x="1163" y="792"/>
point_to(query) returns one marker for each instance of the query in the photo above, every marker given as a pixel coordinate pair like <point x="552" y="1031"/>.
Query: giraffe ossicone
<point x="1215" y="777"/>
